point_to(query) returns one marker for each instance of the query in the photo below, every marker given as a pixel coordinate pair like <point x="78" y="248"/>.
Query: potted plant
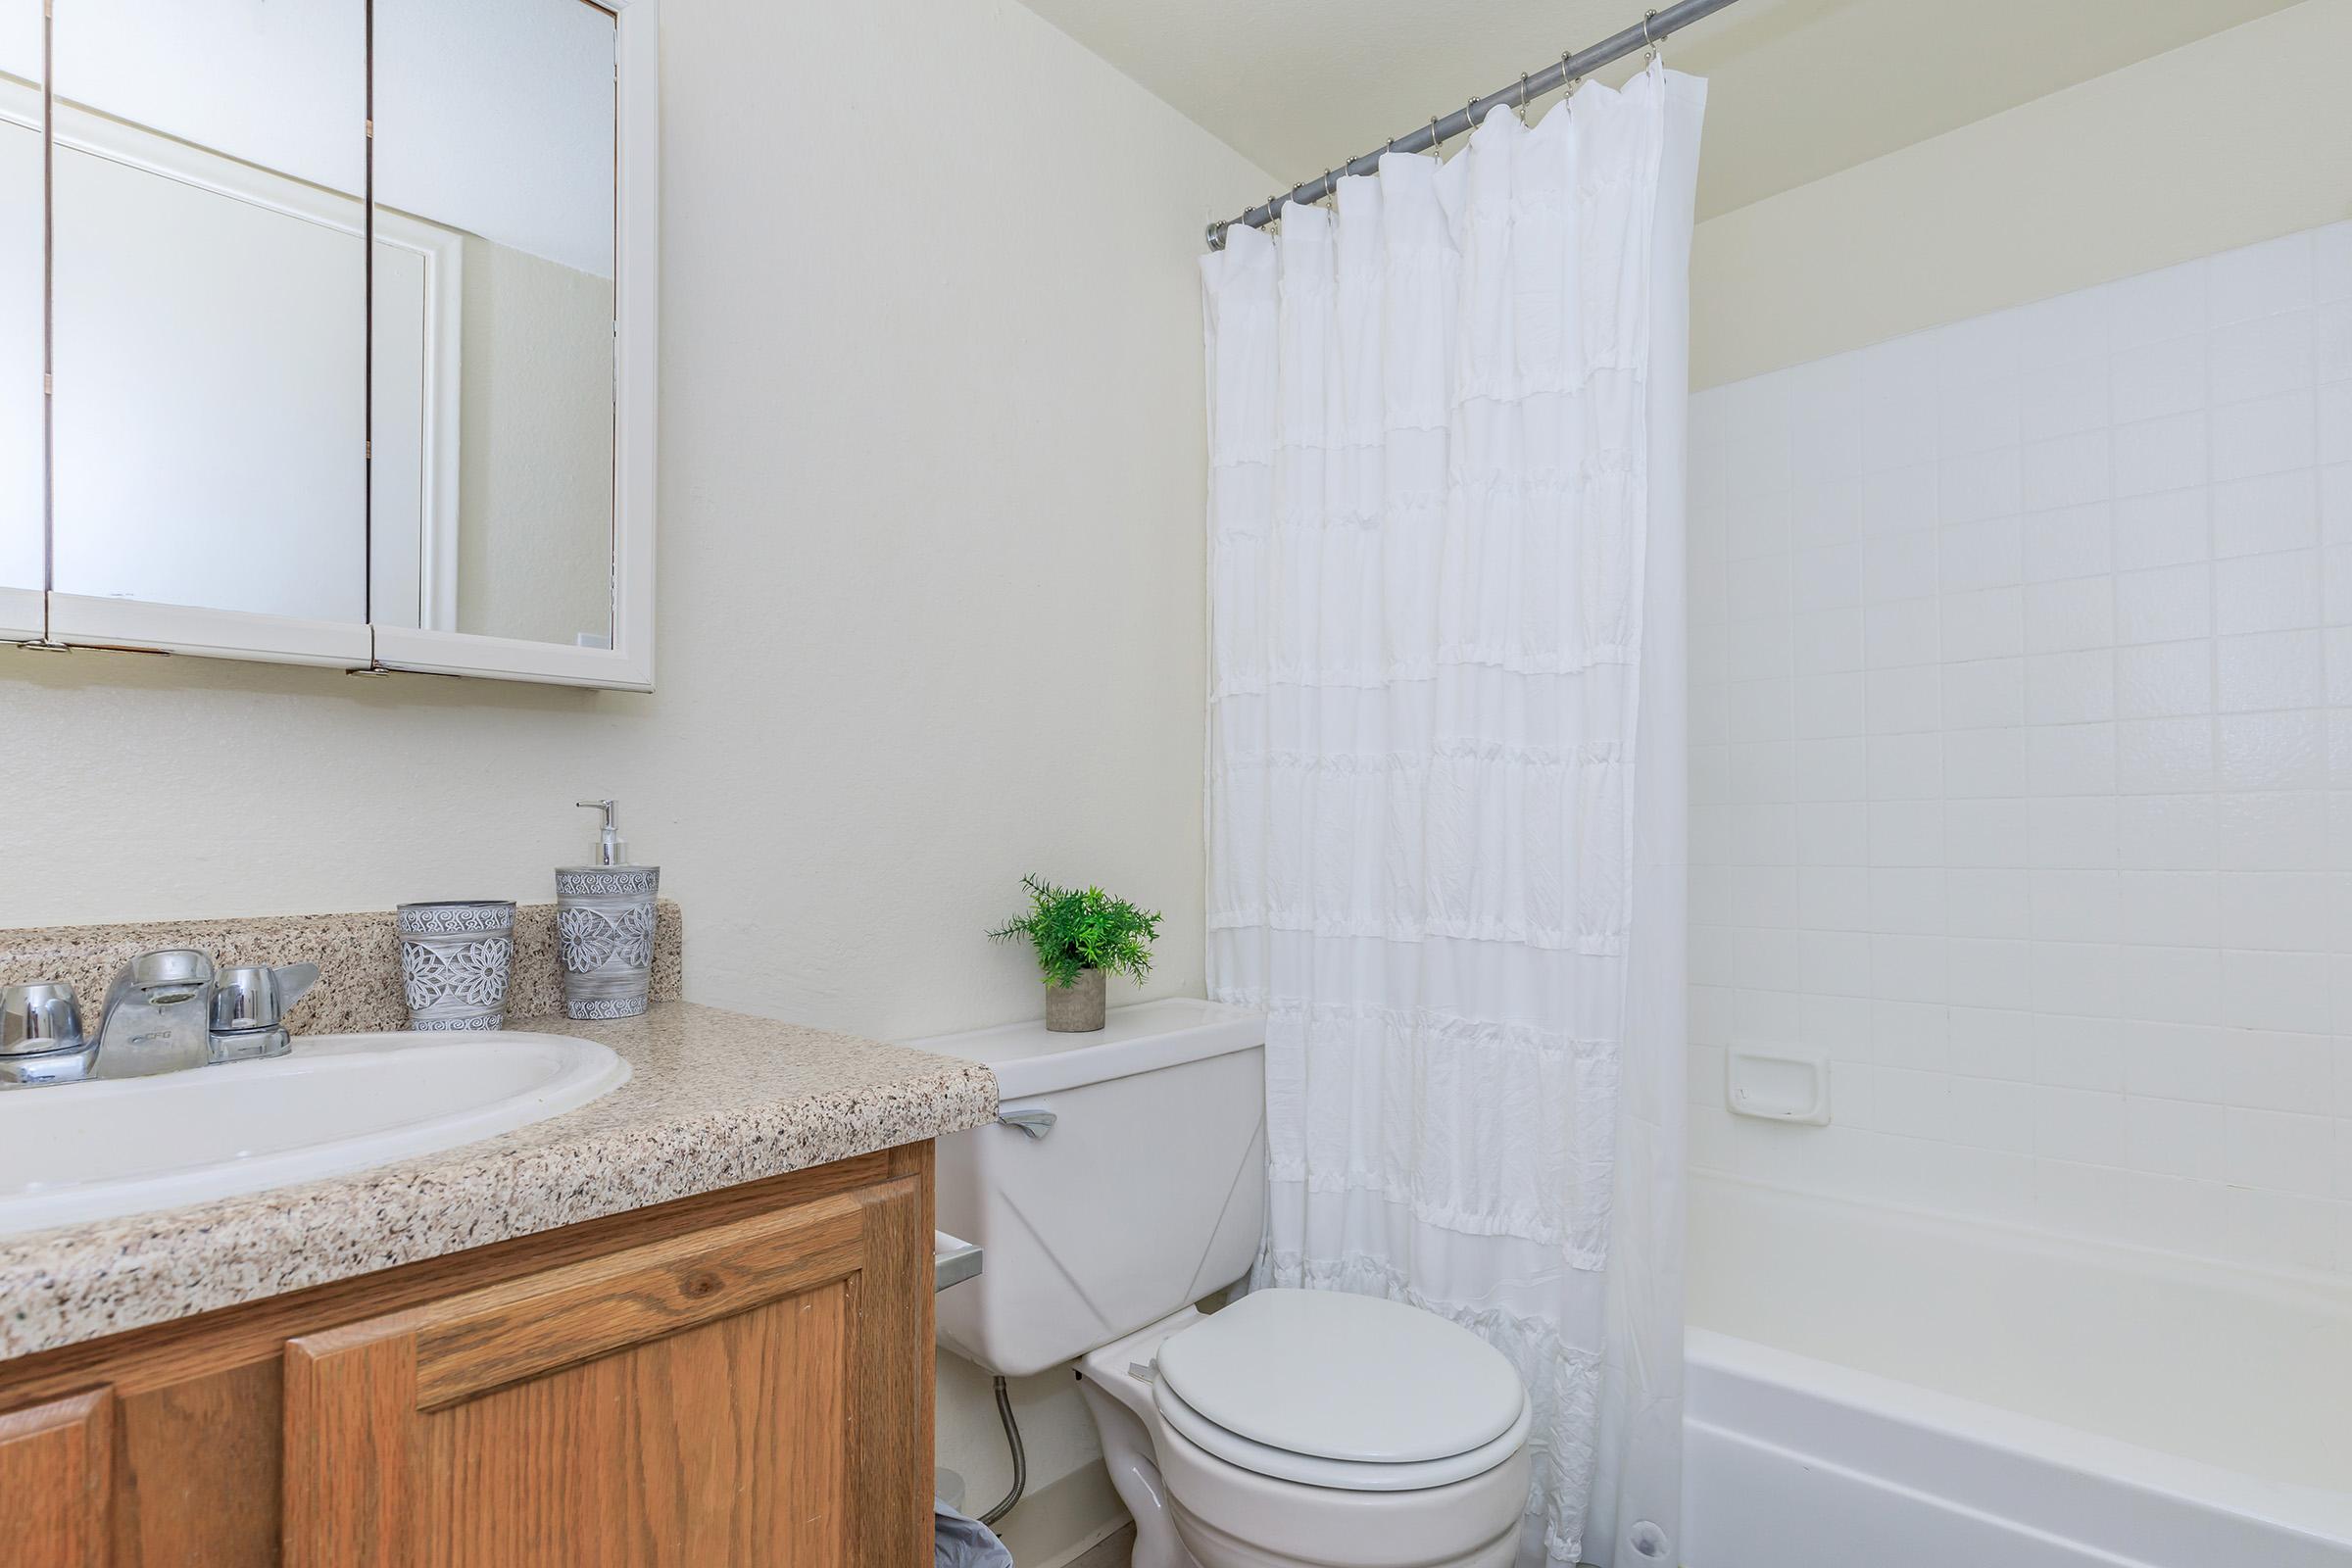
<point x="1081" y="936"/>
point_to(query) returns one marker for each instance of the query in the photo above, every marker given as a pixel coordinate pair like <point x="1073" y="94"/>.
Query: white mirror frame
<point x="72" y="619"/>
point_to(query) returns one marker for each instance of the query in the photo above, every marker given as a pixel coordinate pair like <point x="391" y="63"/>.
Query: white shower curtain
<point x="1446" y="758"/>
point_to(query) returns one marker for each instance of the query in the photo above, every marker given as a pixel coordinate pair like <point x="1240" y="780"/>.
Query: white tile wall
<point x="2022" y="767"/>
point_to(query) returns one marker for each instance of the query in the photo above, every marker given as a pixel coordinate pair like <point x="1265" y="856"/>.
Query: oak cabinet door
<point x="750" y="1396"/>
<point x="56" y="1473"/>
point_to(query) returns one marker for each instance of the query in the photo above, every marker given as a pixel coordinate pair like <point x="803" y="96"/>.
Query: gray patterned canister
<point x="605" y="932"/>
<point x="455" y="959"/>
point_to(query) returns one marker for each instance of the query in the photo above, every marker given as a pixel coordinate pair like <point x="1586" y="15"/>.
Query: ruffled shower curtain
<point x="1447" y="759"/>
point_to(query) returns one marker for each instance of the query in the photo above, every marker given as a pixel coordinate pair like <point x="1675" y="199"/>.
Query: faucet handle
<point x="249" y="1010"/>
<point x="39" y="1017"/>
<point x="252" y="996"/>
<point x="294" y="981"/>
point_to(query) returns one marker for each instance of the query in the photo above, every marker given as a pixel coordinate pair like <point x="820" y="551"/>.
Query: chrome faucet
<point x="164" y="1011"/>
<point x="158" y="1017"/>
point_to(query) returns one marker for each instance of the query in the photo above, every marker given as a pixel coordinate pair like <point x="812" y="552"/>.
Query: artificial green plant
<point x="1075" y="931"/>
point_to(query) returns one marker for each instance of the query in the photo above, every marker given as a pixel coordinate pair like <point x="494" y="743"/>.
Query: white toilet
<point x="1124" y="1183"/>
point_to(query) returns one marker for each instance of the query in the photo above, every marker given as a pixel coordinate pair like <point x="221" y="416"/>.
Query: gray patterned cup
<point x="604" y="931"/>
<point x="454" y="958"/>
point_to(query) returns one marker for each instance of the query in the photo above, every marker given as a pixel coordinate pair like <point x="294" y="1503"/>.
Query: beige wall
<point x="931" y="576"/>
<point x="2243" y="136"/>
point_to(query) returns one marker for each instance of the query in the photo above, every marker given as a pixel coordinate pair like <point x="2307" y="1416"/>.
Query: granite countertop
<point x="715" y="1099"/>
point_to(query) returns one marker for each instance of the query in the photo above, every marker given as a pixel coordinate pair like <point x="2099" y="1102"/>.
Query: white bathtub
<point x="1876" y="1389"/>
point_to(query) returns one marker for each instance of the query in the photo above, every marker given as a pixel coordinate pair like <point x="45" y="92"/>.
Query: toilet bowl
<point x="1124" y="1183"/>
<point x="1323" y="1431"/>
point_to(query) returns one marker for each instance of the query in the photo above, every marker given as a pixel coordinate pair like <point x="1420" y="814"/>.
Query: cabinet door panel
<point x="196" y="1471"/>
<point x="725" y="1443"/>
<point x="724" y="1399"/>
<point x="56" y="1464"/>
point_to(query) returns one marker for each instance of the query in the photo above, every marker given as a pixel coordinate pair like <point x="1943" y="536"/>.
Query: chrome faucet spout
<point x="158" y="1015"/>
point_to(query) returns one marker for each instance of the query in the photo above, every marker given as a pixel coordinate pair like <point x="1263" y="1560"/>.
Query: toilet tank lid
<point x="1028" y="1058"/>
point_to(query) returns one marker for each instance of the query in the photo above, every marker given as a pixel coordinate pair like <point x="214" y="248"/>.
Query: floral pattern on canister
<point x="473" y="973"/>
<point x="594" y="938"/>
<point x="605" y="937"/>
<point x="455" y="960"/>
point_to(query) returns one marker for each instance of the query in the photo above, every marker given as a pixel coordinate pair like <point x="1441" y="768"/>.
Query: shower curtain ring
<point x="1523" y="97"/>
<point x="1436" y="143"/>
<point x="1648" y="16"/>
<point x="1568" y="90"/>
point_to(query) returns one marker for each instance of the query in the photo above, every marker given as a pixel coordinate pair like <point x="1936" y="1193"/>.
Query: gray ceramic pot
<point x="454" y="960"/>
<point x="605" y="930"/>
<point x="1078" y="1007"/>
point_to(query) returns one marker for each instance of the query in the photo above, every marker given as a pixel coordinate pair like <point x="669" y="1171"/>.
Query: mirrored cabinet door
<point x="21" y="500"/>
<point x="494" y="317"/>
<point x="209" y="342"/>
<point x="281" y="382"/>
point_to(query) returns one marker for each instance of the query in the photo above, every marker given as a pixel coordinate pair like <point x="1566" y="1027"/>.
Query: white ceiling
<point x="1800" y="88"/>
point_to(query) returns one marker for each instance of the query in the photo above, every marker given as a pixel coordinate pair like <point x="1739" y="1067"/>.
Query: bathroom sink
<point x="339" y="1103"/>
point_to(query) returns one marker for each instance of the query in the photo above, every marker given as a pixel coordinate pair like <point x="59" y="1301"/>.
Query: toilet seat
<point x="1347" y="1392"/>
<point x="1344" y="1475"/>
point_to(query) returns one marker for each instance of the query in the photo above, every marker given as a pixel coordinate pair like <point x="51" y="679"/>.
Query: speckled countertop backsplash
<point x="358" y="958"/>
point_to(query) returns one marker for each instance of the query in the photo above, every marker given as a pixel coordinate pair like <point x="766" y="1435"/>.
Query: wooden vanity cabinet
<point x="741" y="1380"/>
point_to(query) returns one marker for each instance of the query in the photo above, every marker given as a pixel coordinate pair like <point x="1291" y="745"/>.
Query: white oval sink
<point x="340" y="1103"/>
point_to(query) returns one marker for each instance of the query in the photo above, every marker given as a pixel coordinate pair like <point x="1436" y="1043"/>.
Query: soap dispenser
<point x="605" y="927"/>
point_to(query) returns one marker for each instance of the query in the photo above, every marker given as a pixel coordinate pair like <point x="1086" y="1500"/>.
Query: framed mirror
<point x="347" y="312"/>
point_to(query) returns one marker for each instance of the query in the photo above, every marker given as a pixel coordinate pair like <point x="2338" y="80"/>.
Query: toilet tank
<point x="1146" y="1193"/>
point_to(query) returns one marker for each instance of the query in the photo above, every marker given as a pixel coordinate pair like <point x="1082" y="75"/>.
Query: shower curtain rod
<point x="1650" y="29"/>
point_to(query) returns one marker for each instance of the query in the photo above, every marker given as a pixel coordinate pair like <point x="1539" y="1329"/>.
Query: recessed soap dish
<point x="1779" y="1083"/>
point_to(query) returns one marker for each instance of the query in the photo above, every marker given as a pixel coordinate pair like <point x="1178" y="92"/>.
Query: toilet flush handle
<point x="1030" y="1124"/>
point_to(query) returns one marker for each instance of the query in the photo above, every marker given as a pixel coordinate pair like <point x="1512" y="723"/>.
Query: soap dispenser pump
<point x="611" y="850"/>
<point x="605" y="926"/>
